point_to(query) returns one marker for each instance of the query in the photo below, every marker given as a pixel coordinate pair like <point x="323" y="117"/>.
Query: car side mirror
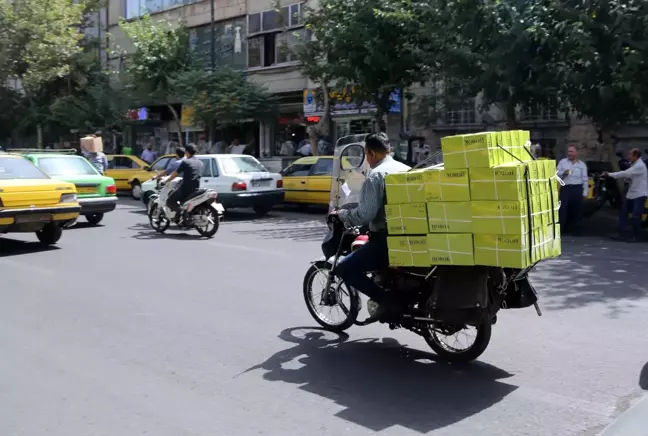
<point x="147" y="168"/>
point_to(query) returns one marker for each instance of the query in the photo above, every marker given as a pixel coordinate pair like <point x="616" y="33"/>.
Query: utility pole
<point x="212" y="44"/>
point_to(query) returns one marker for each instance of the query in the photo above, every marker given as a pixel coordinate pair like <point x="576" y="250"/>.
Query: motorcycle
<point x="200" y="211"/>
<point x="443" y="304"/>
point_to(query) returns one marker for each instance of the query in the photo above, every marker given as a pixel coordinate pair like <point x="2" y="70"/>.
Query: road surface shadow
<point x="643" y="378"/>
<point x="591" y="272"/>
<point x="145" y="232"/>
<point x="13" y="247"/>
<point x="85" y="225"/>
<point x="381" y="383"/>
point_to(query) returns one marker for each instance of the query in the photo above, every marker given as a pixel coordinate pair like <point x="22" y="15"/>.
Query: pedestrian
<point x="98" y="160"/>
<point x="127" y="150"/>
<point x="636" y="196"/>
<point x="148" y="155"/>
<point x="573" y="173"/>
<point x="236" y="147"/>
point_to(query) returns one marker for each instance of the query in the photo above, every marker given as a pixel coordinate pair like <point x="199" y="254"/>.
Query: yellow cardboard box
<point x="557" y="243"/>
<point x="451" y="249"/>
<point x="449" y="217"/>
<point x="524" y="146"/>
<point x="546" y="243"/>
<point x="507" y="146"/>
<point x="499" y="217"/>
<point x="509" y="251"/>
<point x="471" y="151"/>
<point x="503" y="182"/>
<point x="536" y="178"/>
<point x="406" y="219"/>
<point x="446" y="185"/>
<point x="408" y="251"/>
<point x="407" y="187"/>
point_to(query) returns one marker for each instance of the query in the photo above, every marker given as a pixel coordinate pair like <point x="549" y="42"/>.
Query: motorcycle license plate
<point x="219" y="207"/>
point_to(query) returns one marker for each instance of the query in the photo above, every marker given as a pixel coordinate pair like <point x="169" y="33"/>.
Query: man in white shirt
<point x="236" y="147"/>
<point x="637" y="193"/>
<point x="573" y="173"/>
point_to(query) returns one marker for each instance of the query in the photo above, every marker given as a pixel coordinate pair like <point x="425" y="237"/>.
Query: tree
<point x="162" y="54"/>
<point x="223" y="97"/>
<point x="37" y="44"/>
<point x="373" y="47"/>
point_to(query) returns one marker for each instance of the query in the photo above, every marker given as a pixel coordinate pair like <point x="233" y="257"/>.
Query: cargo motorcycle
<point x="452" y="307"/>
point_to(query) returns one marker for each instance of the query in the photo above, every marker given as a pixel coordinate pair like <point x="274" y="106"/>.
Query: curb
<point x="632" y="422"/>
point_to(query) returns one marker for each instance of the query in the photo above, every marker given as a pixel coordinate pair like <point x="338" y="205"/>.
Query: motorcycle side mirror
<point x="352" y="157"/>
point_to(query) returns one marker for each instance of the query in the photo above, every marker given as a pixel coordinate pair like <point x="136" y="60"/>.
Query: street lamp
<point x="212" y="44"/>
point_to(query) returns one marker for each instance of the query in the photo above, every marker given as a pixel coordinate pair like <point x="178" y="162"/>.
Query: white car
<point x="240" y="180"/>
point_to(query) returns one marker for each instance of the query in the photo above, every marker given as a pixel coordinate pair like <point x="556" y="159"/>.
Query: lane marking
<point x="252" y="249"/>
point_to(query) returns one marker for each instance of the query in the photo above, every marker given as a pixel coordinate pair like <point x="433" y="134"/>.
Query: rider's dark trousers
<point x="176" y="198"/>
<point x="372" y="256"/>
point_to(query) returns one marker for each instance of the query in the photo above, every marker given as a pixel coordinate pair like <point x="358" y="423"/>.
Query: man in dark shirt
<point x="191" y="169"/>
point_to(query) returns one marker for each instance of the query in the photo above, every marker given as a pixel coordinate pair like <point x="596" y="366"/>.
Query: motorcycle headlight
<point x="68" y="198"/>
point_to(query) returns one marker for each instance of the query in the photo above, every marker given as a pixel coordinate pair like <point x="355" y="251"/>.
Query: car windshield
<point x="66" y="166"/>
<point x="19" y="168"/>
<point x="242" y="164"/>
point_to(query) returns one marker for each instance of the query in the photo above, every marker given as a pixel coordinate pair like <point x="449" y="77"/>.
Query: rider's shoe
<point x="381" y="312"/>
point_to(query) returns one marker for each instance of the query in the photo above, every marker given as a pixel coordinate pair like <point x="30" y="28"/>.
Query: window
<point x="19" y="168"/>
<point x="161" y="164"/>
<point x="268" y="42"/>
<point x="297" y="170"/>
<point x="242" y="164"/>
<point x="138" y="8"/>
<point x="66" y="166"/>
<point x="215" y="172"/>
<point x="230" y="43"/>
<point x="122" y="163"/>
<point x="540" y="113"/>
<point x="461" y="113"/>
<point x="207" y="168"/>
<point x="323" y="167"/>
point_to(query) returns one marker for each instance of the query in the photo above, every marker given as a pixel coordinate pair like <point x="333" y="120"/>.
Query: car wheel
<point x="94" y="218"/>
<point x="50" y="234"/>
<point x="262" y="210"/>
<point x="136" y="190"/>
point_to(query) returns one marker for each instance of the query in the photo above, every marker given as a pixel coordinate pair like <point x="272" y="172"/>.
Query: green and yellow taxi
<point x="129" y="172"/>
<point x="97" y="194"/>
<point x="308" y="180"/>
<point x="32" y="201"/>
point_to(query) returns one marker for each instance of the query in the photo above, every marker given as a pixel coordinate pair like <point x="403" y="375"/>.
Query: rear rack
<point x="44" y="150"/>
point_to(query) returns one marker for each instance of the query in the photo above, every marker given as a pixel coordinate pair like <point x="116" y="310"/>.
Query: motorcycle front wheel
<point x="161" y="223"/>
<point x="324" y="304"/>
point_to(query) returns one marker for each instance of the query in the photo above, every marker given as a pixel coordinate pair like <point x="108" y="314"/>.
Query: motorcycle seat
<point x="196" y="194"/>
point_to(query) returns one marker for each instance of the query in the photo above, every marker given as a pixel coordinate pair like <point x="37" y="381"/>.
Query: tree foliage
<point x="372" y="46"/>
<point x="223" y="96"/>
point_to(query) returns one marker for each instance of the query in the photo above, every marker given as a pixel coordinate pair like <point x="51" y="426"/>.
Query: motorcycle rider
<point x="370" y="212"/>
<point x="191" y="169"/>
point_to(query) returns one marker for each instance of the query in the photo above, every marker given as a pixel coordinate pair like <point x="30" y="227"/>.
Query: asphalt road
<point x="123" y="332"/>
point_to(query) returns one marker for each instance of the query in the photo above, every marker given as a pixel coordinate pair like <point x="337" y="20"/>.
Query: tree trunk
<point x="178" y="124"/>
<point x="607" y="144"/>
<point x="381" y="121"/>
<point x="39" y="135"/>
<point x="323" y="126"/>
<point x="511" y="116"/>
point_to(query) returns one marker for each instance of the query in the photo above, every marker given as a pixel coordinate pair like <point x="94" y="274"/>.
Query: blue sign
<point x="142" y="114"/>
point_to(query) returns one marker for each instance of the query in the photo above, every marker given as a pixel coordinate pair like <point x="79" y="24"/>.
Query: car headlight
<point x="68" y="198"/>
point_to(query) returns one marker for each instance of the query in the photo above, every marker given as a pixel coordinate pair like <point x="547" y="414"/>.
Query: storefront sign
<point x="187" y="115"/>
<point x="342" y="104"/>
<point x="313" y="119"/>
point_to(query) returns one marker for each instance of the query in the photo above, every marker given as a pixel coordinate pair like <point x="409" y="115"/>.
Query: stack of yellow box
<point x="489" y="204"/>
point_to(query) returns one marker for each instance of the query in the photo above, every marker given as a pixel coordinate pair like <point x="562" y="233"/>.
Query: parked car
<point x="96" y="194"/>
<point x="308" y="180"/>
<point x="129" y="172"/>
<point x="31" y="201"/>
<point x="240" y="180"/>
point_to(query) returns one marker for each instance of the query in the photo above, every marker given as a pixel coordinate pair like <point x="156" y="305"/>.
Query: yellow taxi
<point x="308" y="180"/>
<point x="31" y="201"/>
<point x="129" y="173"/>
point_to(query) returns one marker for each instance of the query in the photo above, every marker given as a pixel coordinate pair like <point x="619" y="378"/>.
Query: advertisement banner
<point x="342" y="103"/>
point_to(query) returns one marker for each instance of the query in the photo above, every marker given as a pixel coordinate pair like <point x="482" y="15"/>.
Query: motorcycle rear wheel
<point x="452" y="354"/>
<point x="208" y="213"/>
<point x="161" y="223"/>
<point x="340" y="289"/>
